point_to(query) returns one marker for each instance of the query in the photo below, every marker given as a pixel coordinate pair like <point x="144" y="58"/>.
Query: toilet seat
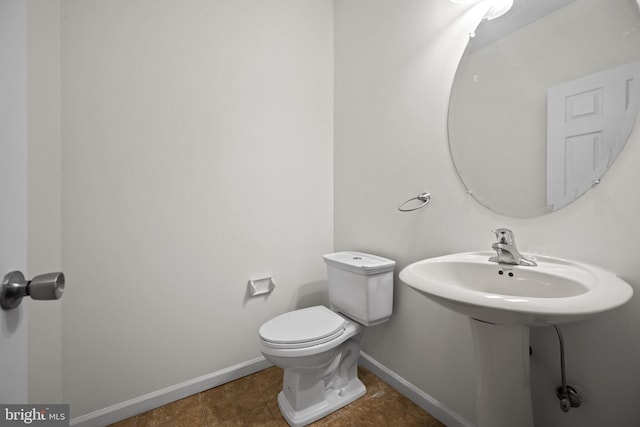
<point x="302" y="328"/>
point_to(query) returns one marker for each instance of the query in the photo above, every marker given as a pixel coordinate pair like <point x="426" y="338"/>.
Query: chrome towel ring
<point x="424" y="198"/>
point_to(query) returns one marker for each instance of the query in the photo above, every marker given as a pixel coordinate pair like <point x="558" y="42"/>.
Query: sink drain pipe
<point x="568" y="395"/>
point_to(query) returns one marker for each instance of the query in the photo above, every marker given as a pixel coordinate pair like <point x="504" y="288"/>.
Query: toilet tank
<point x="361" y="286"/>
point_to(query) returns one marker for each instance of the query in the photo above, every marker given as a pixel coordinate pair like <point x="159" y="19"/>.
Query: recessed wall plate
<point x="261" y="286"/>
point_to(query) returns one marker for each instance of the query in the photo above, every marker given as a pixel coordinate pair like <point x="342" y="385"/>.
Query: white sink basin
<point x="555" y="291"/>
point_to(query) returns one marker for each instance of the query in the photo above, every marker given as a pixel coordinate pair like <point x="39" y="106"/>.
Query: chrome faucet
<point x="506" y="250"/>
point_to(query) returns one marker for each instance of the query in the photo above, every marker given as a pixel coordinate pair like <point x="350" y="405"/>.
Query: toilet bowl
<point x="318" y="348"/>
<point x="320" y="367"/>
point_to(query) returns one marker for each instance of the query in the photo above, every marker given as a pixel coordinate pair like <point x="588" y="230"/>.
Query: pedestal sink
<point x="503" y="301"/>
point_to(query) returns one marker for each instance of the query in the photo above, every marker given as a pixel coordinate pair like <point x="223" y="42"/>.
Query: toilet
<point x="318" y="347"/>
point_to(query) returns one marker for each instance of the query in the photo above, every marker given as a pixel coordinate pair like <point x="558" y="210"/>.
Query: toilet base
<point x="334" y="400"/>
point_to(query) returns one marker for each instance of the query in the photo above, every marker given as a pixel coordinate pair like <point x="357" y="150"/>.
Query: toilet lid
<point x="304" y="327"/>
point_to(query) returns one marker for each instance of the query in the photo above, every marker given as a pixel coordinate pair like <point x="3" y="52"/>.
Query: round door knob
<point x="47" y="286"/>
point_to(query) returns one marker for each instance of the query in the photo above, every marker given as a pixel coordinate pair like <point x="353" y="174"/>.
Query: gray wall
<point x="44" y="195"/>
<point x="394" y="65"/>
<point x="197" y="154"/>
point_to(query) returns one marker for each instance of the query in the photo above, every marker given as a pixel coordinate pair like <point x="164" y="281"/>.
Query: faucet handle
<point x="504" y="235"/>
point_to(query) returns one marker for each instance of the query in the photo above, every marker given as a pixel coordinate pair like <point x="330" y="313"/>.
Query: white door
<point x="13" y="193"/>
<point x="588" y="123"/>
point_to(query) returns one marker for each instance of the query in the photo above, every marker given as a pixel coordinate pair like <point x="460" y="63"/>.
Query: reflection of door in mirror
<point x="498" y="110"/>
<point x="588" y="120"/>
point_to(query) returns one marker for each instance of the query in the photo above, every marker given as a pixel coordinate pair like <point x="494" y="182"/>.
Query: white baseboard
<point x="153" y="400"/>
<point x="138" y="405"/>
<point x="413" y="393"/>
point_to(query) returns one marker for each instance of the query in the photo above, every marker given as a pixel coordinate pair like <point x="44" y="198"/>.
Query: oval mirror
<point x="543" y="102"/>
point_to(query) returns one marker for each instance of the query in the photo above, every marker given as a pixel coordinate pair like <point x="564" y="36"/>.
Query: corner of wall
<point x="44" y="201"/>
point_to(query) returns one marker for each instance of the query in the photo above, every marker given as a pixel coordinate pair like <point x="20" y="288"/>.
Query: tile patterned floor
<point x="251" y="401"/>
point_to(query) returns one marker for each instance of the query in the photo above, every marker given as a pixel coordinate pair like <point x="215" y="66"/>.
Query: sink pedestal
<point x="503" y="390"/>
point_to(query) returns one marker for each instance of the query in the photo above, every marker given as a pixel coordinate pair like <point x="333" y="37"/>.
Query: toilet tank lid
<point x="359" y="262"/>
